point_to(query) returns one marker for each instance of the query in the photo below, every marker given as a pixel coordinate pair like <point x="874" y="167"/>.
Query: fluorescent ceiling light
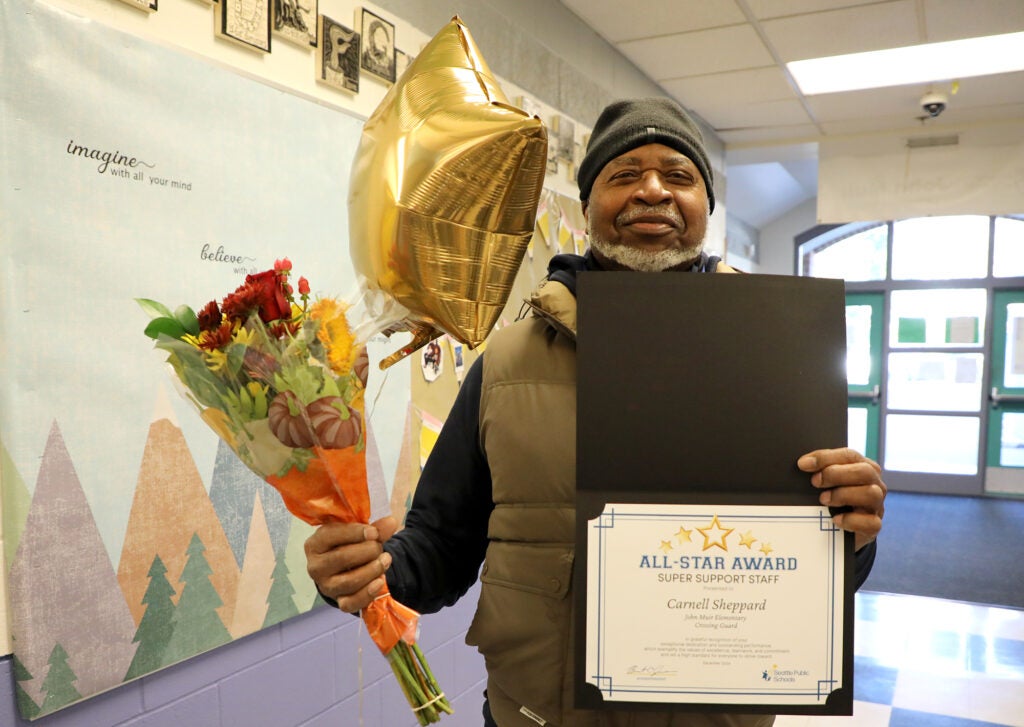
<point x="947" y="61"/>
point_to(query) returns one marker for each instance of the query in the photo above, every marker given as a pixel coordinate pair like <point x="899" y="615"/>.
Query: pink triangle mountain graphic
<point x="63" y="587"/>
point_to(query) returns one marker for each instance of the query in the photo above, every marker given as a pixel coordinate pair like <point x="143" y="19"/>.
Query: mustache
<point x="635" y="213"/>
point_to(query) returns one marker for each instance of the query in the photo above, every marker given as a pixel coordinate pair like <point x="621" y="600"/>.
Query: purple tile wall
<point x="319" y="669"/>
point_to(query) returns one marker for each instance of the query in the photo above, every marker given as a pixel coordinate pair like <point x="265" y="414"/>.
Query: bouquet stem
<point x="417" y="681"/>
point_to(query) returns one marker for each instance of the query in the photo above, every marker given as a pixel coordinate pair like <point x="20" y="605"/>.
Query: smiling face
<point x="648" y="211"/>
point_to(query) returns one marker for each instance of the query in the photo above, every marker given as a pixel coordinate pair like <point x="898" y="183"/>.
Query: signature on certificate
<point x="649" y="671"/>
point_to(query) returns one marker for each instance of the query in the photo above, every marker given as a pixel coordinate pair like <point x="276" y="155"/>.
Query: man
<point x="500" y="482"/>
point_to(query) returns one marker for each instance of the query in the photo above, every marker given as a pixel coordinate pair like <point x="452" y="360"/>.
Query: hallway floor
<point x="926" y="662"/>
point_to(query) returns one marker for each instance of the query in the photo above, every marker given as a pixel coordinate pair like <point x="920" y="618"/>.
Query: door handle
<point x="997" y="398"/>
<point x="873" y="395"/>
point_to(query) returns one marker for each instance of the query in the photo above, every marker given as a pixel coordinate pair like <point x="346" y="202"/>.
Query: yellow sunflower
<point x="335" y="334"/>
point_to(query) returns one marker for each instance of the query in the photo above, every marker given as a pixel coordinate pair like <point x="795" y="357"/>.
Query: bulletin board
<point x="130" y="170"/>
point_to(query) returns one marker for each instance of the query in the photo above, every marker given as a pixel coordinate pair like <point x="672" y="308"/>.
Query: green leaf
<point x="167" y="326"/>
<point x="245" y="401"/>
<point x="236" y="357"/>
<point x="204" y="385"/>
<point x="330" y="387"/>
<point x="187" y="318"/>
<point x="154" y="309"/>
<point x="260" y="405"/>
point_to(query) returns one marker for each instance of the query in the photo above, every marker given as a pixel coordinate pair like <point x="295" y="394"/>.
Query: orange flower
<point x="217" y="338"/>
<point x="335" y="334"/>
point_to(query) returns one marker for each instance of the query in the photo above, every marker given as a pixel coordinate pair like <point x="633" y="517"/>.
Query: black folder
<point x="705" y="389"/>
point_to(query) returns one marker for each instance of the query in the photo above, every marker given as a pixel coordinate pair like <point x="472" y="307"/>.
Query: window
<point x="1008" y="247"/>
<point x="939" y="248"/>
<point x="937" y="317"/>
<point x="858" y="256"/>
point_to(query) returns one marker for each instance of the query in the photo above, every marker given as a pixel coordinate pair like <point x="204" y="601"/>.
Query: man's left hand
<point x="850" y="480"/>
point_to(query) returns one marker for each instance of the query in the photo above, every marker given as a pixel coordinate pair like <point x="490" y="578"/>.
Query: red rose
<point x="273" y="302"/>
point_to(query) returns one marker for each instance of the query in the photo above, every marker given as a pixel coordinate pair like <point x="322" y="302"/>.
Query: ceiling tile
<point x="850" y="30"/>
<point x="764" y="113"/>
<point x="763" y="9"/>
<point x="749" y="86"/>
<point x="896" y="102"/>
<point x="766" y="135"/>
<point x="698" y="53"/>
<point x="955" y="19"/>
<point x="901" y="105"/>
<point x="981" y="117"/>
<point x="655" y="18"/>
<point x="995" y="90"/>
<point x="899" y="126"/>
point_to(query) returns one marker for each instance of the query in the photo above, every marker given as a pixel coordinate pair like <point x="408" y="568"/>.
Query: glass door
<point x="864" y="316"/>
<point x="935" y="368"/>
<point x="1004" y="459"/>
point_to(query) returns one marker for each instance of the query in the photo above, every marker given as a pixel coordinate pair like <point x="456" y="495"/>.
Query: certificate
<point x="698" y="604"/>
<point x="708" y="577"/>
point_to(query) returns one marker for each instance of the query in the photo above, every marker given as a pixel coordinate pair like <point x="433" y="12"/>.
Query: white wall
<point x="776" y="245"/>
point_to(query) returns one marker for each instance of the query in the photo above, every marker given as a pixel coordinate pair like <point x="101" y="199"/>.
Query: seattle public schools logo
<point x="774" y="674"/>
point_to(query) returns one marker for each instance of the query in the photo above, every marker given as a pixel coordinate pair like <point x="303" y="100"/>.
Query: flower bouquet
<point x="282" y="383"/>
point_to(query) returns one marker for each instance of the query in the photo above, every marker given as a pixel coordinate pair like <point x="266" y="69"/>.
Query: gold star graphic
<point x="684" y="535"/>
<point x="747" y="539"/>
<point x="717" y="540"/>
<point x="766" y="548"/>
<point x="666" y="545"/>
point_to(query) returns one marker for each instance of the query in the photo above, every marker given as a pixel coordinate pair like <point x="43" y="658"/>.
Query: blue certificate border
<point x="825" y="686"/>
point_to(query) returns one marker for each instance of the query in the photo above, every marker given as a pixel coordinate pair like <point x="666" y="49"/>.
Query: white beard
<point x="644" y="261"/>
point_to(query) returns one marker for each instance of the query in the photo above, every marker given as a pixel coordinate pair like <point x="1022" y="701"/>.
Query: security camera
<point x="934" y="104"/>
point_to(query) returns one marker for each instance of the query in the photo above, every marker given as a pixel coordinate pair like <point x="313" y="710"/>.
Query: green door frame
<point x="868" y="396"/>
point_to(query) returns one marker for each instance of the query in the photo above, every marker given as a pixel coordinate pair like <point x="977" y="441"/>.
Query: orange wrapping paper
<point x="334" y="488"/>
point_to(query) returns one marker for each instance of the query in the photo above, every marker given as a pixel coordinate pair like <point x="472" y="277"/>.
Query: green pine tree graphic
<point x="59" y="684"/>
<point x="157" y="624"/>
<point x="197" y="627"/>
<point x="28" y="708"/>
<point x="280" y="604"/>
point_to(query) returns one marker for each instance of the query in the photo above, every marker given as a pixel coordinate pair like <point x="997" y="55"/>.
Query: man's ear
<point x="583" y="204"/>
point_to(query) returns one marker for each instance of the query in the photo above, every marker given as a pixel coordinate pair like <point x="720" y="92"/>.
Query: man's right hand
<point x="347" y="561"/>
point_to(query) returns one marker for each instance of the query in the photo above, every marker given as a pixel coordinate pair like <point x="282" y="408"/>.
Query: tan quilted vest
<point x="523" y="620"/>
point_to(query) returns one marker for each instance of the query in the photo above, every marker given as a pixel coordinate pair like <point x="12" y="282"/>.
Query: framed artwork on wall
<point x="552" y="167"/>
<point x="246" y="22"/>
<point x="378" y="54"/>
<point x="337" y="61"/>
<point x="295" y="20"/>
<point x="564" y="132"/>
<point x="402" y="61"/>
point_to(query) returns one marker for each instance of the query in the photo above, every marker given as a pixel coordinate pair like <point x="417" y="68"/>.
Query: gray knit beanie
<point x="625" y="125"/>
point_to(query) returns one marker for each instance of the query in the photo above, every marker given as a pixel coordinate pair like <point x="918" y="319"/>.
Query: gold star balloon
<point x="443" y="196"/>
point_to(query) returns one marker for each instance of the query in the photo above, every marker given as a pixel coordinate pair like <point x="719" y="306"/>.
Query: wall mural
<point x="133" y="538"/>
